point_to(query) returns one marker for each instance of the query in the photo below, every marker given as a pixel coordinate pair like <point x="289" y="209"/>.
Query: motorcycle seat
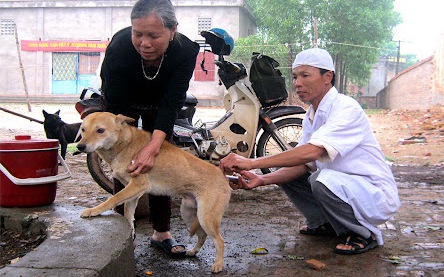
<point x="191" y="100"/>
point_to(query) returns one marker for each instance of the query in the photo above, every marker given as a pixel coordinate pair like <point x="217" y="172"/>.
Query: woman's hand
<point x="143" y="161"/>
<point x="234" y="163"/>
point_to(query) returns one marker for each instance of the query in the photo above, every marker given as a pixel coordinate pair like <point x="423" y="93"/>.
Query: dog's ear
<point x="57" y="112"/>
<point x="44" y="113"/>
<point x="121" y="119"/>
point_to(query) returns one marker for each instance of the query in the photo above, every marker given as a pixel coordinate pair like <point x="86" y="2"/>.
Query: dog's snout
<point x="81" y="147"/>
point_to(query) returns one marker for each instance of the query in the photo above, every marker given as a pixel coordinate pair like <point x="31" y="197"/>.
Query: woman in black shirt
<point x="146" y="73"/>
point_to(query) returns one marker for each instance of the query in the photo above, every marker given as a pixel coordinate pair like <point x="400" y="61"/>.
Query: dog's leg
<point x="201" y="238"/>
<point x="218" y="264"/>
<point x="131" y="191"/>
<point x="210" y="217"/>
<point x="188" y="211"/>
<point x="130" y="208"/>
<point x="63" y="147"/>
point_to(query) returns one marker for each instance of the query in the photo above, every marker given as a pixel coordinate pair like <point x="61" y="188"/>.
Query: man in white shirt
<point x="337" y="176"/>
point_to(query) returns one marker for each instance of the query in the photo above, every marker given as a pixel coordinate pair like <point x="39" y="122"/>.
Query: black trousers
<point x="160" y="209"/>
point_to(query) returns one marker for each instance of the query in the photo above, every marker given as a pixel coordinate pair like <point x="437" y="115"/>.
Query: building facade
<point x="53" y="49"/>
<point x="419" y="87"/>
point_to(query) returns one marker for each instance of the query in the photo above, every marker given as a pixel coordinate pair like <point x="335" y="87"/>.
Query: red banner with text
<point x="63" y="46"/>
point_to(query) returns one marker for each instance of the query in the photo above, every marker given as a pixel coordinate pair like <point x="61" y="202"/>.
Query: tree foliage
<point x="353" y="31"/>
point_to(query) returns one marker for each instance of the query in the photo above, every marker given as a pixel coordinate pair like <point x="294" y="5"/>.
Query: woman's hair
<point x="323" y="71"/>
<point x="162" y="8"/>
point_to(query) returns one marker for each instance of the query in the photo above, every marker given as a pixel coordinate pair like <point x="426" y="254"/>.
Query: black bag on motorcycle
<point x="267" y="80"/>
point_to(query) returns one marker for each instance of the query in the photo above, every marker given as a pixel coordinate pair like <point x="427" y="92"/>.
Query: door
<point x="64" y="73"/>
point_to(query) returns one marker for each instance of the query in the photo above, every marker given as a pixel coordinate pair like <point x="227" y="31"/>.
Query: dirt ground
<point x="425" y="128"/>
<point x="412" y="141"/>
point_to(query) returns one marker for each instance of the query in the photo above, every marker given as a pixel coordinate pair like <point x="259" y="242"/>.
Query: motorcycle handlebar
<point x="85" y="90"/>
<point x="226" y="64"/>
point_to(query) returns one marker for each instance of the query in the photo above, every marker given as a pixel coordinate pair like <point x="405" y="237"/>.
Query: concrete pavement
<point x="74" y="246"/>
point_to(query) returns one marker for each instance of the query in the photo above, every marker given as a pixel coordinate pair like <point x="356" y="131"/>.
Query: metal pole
<point x="397" y="58"/>
<point x="290" y="74"/>
<point x="316" y="32"/>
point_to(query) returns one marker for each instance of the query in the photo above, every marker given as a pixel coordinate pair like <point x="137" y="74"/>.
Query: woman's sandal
<point x="167" y="245"/>
<point x="358" y="245"/>
<point x="323" y="230"/>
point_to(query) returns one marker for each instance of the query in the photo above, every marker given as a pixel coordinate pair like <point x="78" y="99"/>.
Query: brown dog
<point x="203" y="186"/>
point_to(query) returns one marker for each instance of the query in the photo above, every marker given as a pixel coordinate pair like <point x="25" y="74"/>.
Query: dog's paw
<point x="88" y="213"/>
<point x="217" y="267"/>
<point x="191" y="252"/>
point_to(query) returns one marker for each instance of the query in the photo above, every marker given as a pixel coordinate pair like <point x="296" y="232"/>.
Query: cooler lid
<point x="25" y="142"/>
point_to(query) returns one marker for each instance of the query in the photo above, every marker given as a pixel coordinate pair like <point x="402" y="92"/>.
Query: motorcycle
<point x="250" y="127"/>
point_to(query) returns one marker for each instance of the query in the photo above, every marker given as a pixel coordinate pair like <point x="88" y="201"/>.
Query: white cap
<point x="315" y="57"/>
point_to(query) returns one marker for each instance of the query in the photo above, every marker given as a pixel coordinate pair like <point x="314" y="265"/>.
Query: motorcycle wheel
<point x="100" y="171"/>
<point x="289" y="128"/>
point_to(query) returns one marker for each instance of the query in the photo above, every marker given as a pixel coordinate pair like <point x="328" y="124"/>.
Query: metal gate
<point x="71" y="72"/>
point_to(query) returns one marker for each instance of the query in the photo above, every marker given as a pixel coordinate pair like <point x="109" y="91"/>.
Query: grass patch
<point x="72" y="148"/>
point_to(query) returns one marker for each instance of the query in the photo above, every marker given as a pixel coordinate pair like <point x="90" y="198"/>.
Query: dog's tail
<point x="194" y="227"/>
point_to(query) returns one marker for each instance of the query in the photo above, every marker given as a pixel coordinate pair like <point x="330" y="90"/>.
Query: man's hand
<point x="234" y="163"/>
<point x="247" y="180"/>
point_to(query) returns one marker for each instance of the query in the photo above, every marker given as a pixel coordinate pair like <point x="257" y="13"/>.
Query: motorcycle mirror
<point x="202" y="63"/>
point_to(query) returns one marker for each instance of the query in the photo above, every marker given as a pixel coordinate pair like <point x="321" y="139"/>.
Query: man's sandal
<point x="167" y="246"/>
<point x="358" y="245"/>
<point x="323" y="230"/>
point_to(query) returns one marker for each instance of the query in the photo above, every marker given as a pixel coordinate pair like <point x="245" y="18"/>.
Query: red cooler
<point x="29" y="171"/>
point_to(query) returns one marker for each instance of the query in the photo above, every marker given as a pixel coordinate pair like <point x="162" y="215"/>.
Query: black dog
<point x="55" y="128"/>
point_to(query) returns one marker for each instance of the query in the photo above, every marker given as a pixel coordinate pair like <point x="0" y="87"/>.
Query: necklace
<point x="158" y="69"/>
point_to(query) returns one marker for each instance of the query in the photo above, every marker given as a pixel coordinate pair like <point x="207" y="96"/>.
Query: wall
<point x="412" y="88"/>
<point x="381" y="99"/>
<point x="98" y="20"/>
<point x="50" y="20"/>
<point x="368" y="102"/>
<point x="378" y="79"/>
<point x="381" y="72"/>
<point x="419" y="87"/>
<point x="226" y="17"/>
<point x="438" y="76"/>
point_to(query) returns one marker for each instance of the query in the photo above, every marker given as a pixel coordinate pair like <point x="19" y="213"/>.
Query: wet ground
<point x="414" y="238"/>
